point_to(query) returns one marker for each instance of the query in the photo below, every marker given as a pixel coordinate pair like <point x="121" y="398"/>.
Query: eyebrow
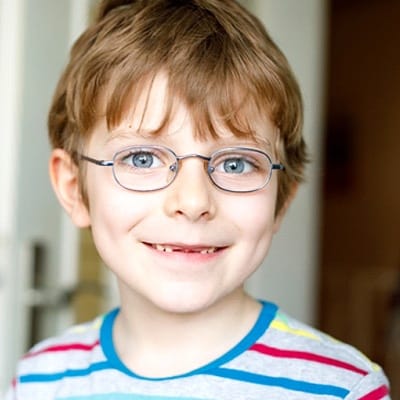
<point x="125" y="136"/>
<point x="129" y="135"/>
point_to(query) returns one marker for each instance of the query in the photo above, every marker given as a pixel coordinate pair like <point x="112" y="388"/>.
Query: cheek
<point x="113" y="209"/>
<point x="254" y="215"/>
<point x="254" y="222"/>
<point x="259" y="222"/>
<point x="115" y="225"/>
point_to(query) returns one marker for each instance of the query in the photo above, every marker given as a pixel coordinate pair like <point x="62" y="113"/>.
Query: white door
<point x="38" y="246"/>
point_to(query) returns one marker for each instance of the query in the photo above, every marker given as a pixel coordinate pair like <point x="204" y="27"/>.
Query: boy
<point x="176" y="133"/>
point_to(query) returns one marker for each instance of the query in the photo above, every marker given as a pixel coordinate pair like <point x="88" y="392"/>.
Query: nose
<point x="191" y="195"/>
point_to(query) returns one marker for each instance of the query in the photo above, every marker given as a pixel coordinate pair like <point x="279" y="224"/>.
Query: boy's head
<point x="218" y="61"/>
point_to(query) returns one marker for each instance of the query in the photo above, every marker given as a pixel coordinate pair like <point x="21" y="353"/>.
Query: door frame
<point x="11" y="47"/>
<point x="16" y="110"/>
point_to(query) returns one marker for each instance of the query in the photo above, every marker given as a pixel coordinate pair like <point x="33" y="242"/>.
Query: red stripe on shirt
<point x="376" y="394"/>
<point x="64" y="347"/>
<point x="303" y="355"/>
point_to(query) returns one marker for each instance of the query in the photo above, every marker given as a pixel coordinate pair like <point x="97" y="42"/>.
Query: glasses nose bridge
<point x="175" y="168"/>
<point x="193" y="155"/>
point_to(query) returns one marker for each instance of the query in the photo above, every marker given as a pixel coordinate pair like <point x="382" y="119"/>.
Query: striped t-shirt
<point x="279" y="358"/>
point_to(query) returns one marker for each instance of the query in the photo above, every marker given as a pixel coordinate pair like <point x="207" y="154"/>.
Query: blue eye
<point x="235" y="165"/>
<point x="142" y="159"/>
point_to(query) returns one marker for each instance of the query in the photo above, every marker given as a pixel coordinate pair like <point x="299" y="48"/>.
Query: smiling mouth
<point x="184" y="249"/>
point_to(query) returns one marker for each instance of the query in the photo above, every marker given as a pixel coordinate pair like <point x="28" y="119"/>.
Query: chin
<point x="185" y="302"/>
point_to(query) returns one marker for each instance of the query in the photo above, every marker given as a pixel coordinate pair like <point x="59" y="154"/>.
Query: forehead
<point x="155" y="109"/>
<point x="146" y="110"/>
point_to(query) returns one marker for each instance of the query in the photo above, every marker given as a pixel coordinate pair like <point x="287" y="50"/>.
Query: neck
<point x="155" y="343"/>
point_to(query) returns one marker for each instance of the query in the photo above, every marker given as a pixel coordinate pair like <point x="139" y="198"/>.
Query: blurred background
<point x="335" y="262"/>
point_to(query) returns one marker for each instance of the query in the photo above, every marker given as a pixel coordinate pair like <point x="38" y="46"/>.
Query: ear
<point x="285" y="206"/>
<point x="65" y="180"/>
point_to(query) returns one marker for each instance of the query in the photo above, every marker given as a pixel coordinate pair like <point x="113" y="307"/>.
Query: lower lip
<point x="187" y="256"/>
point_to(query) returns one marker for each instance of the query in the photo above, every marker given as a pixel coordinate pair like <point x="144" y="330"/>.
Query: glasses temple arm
<point x="278" y="166"/>
<point x="103" y="163"/>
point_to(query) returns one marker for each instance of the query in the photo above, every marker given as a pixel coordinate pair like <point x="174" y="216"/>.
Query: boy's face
<point x="187" y="246"/>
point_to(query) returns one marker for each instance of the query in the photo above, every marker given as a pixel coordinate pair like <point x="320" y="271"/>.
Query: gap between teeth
<point x="167" y="249"/>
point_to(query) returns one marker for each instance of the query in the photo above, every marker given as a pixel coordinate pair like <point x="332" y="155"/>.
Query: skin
<point x="196" y="297"/>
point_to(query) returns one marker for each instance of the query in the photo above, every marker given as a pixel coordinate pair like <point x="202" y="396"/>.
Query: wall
<point x="289" y="274"/>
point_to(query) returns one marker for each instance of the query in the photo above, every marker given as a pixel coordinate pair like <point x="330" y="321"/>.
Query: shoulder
<point x="317" y="345"/>
<point x="308" y="355"/>
<point x="73" y="346"/>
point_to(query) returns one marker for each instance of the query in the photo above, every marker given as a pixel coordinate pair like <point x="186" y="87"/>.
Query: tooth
<point x="169" y="249"/>
<point x="165" y="249"/>
<point x="208" y="251"/>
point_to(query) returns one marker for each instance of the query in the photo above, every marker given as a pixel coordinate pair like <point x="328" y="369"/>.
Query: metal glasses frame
<point x="175" y="166"/>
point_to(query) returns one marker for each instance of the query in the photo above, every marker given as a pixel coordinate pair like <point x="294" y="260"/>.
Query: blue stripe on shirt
<point x="291" y="384"/>
<point x="285" y="383"/>
<point x="69" y="373"/>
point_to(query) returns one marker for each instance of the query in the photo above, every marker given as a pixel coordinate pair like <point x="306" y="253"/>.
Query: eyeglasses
<point x="150" y="168"/>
